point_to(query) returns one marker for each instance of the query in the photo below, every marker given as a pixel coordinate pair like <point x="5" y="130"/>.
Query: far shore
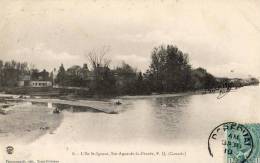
<point x="50" y="92"/>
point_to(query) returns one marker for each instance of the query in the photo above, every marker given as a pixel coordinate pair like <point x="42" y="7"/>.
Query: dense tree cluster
<point x="169" y="71"/>
<point x="43" y="75"/>
<point x="74" y="76"/>
<point x="129" y="80"/>
<point x="11" y="71"/>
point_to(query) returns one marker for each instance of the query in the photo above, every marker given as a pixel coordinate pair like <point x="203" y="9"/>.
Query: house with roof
<point x="38" y="79"/>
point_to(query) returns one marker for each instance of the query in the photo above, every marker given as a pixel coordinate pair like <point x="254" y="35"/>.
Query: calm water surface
<point x="162" y="119"/>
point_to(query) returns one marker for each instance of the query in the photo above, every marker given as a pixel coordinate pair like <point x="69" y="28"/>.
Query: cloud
<point x="214" y="33"/>
<point x="42" y="57"/>
<point x="136" y="61"/>
<point x="232" y="69"/>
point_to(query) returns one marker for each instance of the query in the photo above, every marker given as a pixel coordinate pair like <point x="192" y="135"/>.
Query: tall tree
<point x="44" y="75"/>
<point x="74" y="76"/>
<point x="10" y="72"/>
<point x="85" y="71"/>
<point x="125" y="78"/>
<point x="104" y="81"/>
<point x="169" y="69"/>
<point x="35" y="74"/>
<point x="61" y="76"/>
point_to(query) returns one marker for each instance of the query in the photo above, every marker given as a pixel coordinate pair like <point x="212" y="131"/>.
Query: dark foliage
<point x="169" y="71"/>
<point x="10" y="72"/>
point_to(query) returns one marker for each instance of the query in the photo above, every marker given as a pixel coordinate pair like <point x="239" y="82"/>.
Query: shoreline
<point x="50" y="92"/>
<point x="25" y="123"/>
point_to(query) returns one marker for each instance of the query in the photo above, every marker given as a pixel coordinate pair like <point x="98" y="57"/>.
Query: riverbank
<point x="25" y="118"/>
<point x="82" y="94"/>
<point x="77" y="92"/>
<point x="25" y="123"/>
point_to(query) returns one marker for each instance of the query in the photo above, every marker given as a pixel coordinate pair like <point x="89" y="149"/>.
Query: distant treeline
<point x="12" y="71"/>
<point x="169" y="71"/>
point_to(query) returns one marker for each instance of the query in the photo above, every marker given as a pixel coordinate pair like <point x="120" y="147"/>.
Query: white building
<point x="40" y="84"/>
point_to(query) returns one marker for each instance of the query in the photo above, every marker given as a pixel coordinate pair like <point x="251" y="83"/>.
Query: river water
<point x="162" y="119"/>
<point x="178" y="123"/>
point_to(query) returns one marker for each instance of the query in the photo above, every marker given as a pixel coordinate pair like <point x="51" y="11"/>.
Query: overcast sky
<point x="219" y="35"/>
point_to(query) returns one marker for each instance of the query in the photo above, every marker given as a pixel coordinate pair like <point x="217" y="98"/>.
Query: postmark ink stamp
<point x="233" y="140"/>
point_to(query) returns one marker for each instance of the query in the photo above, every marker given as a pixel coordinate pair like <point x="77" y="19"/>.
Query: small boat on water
<point x="113" y="112"/>
<point x="56" y="111"/>
<point x="118" y="102"/>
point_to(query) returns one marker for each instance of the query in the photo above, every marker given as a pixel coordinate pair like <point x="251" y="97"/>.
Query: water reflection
<point x="162" y="119"/>
<point x="170" y="110"/>
<point x="146" y="119"/>
<point x="168" y="113"/>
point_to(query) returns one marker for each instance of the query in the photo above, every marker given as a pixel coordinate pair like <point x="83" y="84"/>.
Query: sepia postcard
<point x="122" y="81"/>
